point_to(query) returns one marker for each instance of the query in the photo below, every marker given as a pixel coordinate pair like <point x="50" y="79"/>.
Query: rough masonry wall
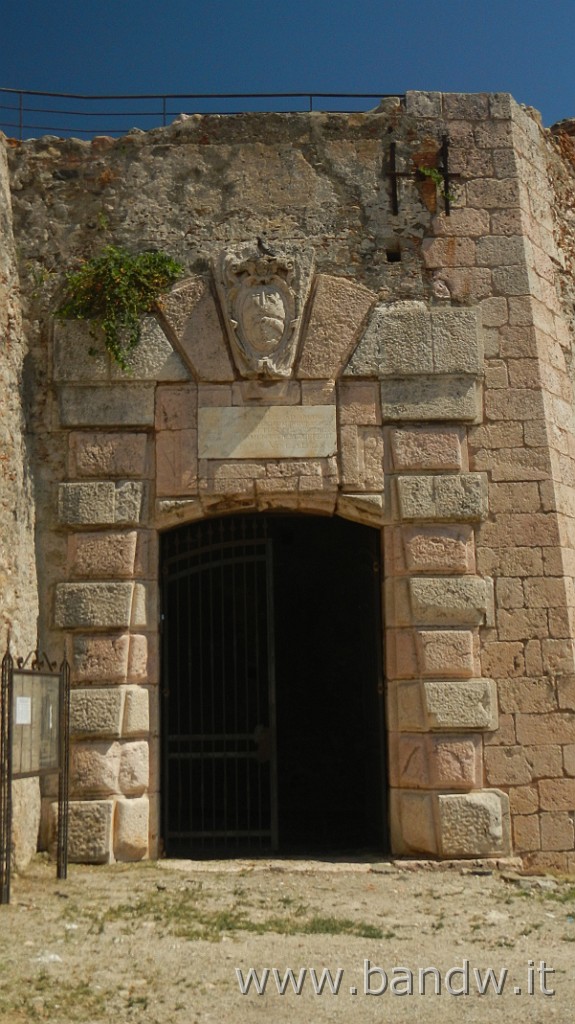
<point x="18" y="594"/>
<point x="440" y="343"/>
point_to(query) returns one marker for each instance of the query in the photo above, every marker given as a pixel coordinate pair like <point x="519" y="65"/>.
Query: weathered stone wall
<point x="18" y="597"/>
<point x="440" y="345"/>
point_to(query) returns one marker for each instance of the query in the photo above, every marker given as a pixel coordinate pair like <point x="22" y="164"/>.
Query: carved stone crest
<point x="263" y="293"/>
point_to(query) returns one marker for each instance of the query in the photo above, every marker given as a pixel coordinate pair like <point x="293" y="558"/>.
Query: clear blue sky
<point x="525" y="47"/>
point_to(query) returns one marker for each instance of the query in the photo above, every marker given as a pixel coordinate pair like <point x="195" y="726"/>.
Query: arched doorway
<point x="272" y="711"/>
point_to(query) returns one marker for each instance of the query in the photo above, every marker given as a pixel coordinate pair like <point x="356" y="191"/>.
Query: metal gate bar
<point x="220" y="787"/>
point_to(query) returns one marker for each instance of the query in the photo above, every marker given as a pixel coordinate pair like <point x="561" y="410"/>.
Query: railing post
<point x="6" y="776"/>
<point x="21" y="115"/>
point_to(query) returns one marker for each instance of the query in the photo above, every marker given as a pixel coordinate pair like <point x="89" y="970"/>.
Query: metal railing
<point x="25" y="113"/>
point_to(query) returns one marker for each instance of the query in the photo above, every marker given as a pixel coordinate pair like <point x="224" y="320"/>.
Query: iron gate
<point x="219" y="761"/>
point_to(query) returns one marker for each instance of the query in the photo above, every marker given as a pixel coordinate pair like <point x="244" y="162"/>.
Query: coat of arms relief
<point x="263" y="293"/>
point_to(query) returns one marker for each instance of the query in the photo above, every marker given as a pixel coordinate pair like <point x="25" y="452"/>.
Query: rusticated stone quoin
<point x="339" y="345"/>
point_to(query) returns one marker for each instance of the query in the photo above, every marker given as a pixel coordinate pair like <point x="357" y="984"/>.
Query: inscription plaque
<point x="276" y="432"/>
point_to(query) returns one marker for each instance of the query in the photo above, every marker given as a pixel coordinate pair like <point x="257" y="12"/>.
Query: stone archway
<point x="273" y="730"/>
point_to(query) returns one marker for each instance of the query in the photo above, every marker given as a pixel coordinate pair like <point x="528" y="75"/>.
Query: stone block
<point x="100" y="659"/>
<point x="489" y="193"/>
<point x="322" y="392"/>
<point x="431" y="398"/>
<point x="102" y="503"/>
<point x="400" y="652"/>
<point x="439" y="549"/>
<point x="474" y="824"/>
<point x="177" y="407"/>
<point x="79" y="352"/>
<point x="494" y="312"/>
<point x="407" y="700"/>
<point x="396" y="342"/>
<point x="462" y="497"/>
<point x="362" y="508"/>
<point x="86" y="503"/>
<point x="130" y="503"/>
<point x="426" y="448"/>
<point x="460" y="705"/>
<point x="523" y="800"/>
<point x="456" y="340"/>
<point x="118" y="405"/>
<point x="423" y="104"/>
<point x="176" y="462"/>
<point x="464" y="285"/>
<point x="338" y="310"/>
<point x="569" y="759"/>
<point x="557" y="795"/>
<point x="153" y="358"/>
<point x="138" y="669"/>
<point x="507" y="766"/>
<point x="557" y="831"/>
<point x="448" y="601"/>
<point x="134" y="772"/>
<point x="131" y="828"/>
<point x="526" y="832"/>
<point x="136" y="712"/>
<point x="413" y="826"/>
<point x="361" y="453"/>
<point x="108" y="455"/>
<point x="464" y="106"/>
<point x="81" y="605"/>
<point x="455" y="762"/>
<point x="94" y="768"/>
<point x="102" y="555"/>
<point x="90" y="831"/>
<point x="96" y="711"/>
<point x="413" y="762"/>
<point x="545" y="761"/>
<point x="445" y="652"/>
<point x="500" y="251"/>
<point x="358" y="402"/>
<point x="190" y="313"/>
<point x="145" y="605"/>
<point x="448" y="252"/>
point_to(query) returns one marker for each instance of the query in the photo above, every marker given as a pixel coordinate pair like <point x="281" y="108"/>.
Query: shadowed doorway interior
<point x="272" y="710"/>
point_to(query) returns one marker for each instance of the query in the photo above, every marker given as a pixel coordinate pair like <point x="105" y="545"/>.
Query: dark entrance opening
<point x="272" y="712"/>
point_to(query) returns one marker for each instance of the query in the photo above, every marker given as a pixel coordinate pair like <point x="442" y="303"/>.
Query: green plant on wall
<point x="114" y="290"/>
<point x="436" y="176"/>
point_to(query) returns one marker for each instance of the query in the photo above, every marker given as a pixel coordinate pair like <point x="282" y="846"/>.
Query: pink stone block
<point x="100" y="658"/>
<point x="138" y="667"/>
<point x="448" y="549"/>
<point x="359" y="403"/>
<point x="413" y="762"/>
<point x="455" y="762"/>
<point x="177" y="407"/>
<point x="401" y="655"/>
<point x="102" y="555"/>
<point x="446" y="653"/>
<point x="108" y="455"/>
<point x="176" y="462"/>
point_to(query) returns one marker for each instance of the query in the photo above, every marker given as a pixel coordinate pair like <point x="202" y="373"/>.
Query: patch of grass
<point x="187" y="914"/>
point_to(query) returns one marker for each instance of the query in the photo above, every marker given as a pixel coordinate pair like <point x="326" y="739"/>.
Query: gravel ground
<point x="162" y="943"/>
